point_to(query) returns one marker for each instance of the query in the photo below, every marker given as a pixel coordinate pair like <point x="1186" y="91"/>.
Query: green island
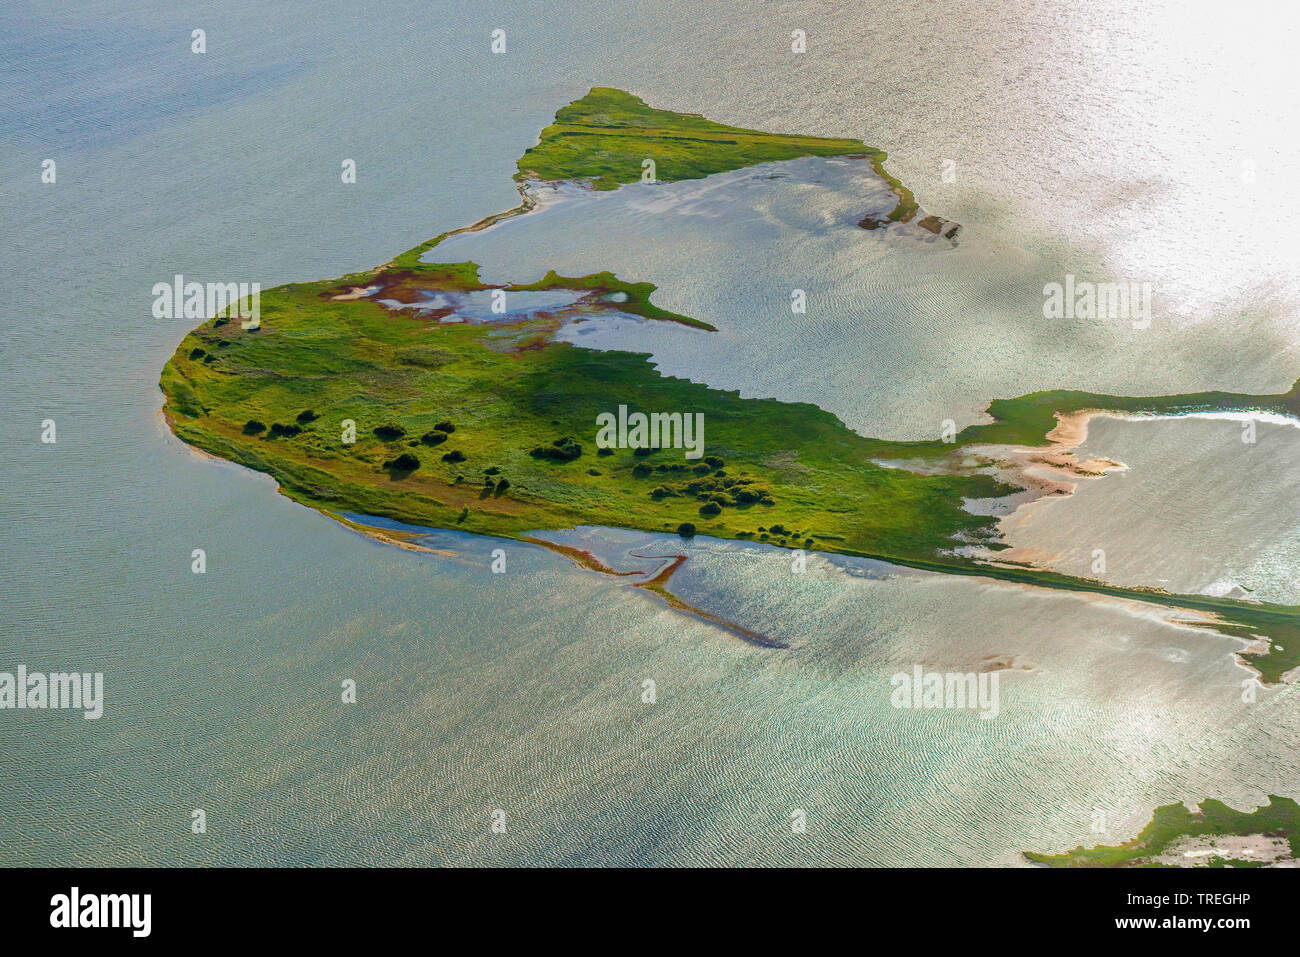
<point x="488" y="426"/>
<point x="605" y="137"/>
<point x="1203" y="830"/>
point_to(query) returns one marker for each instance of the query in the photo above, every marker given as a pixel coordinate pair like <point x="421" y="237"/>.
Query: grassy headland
<point x="605" y="136"/>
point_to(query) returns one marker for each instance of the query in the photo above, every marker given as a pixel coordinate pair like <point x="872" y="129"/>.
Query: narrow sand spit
<point x="389" y="536"/>
<point x="657" y="584"/>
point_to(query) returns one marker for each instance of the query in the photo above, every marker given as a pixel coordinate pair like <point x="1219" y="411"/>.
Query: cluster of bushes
<point x="438" y="434"/>
<point x="781" y="532"/>
<point x="307" y="415"/>
<point x="491" y="485"/>
<point x="719" y="489"/>
<point x="716" y="491"/>
<point x="701" y="468"/>
<point x="407" y="462"/>
<point x="278" y="430"/>
<point x="390" y="433"/>
<point x="720" y="498"/>
<point x="564" y="449"/>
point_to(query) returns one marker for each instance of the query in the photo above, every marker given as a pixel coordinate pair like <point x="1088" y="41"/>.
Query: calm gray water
<point x="522" y="691"/>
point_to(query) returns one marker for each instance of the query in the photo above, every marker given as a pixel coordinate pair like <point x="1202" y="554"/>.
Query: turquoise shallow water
<point x="522" y="691"/>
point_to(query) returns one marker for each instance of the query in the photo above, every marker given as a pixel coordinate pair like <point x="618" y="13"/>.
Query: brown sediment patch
<point x="1044" y="473"/>
<point x="1052" y="470"/>
<point x="356" y="292"/>
<point x="400" y="286"/>
<point x="993" y="663"/>
<point x="1071" y="429"/>
<point x="659" y="580"/>
<point x="939" y="226"/>
<point x="657" y="584"/>
<point x="1259" y="647"/>
<point x="907" y="209"/>
<point x="1065" y="462"/>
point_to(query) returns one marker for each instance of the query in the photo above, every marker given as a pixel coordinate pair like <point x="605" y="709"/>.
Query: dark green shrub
<point x="433" y="438"/>
<point x="685" y="529"/>
<point x="406" y="462"/>
<point x="561" y="450"/>
<point x="307" y="415"/>
<point x="710" y="508"/>
<point x="252" y="427"/>
<point x="455" y="455"/>
<point x="389" y="432"/>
